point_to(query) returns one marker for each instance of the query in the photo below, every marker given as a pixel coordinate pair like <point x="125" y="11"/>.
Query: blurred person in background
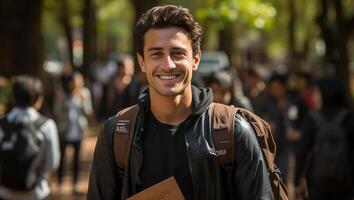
<point x="304" y="85"/>
<point x="255" y="90"/>
<point x="103" y="71"/>
<point x="72" y="110"/>
<point x="27" y="96"/>
<point x="285" y="111"/>
<point x="222" y="85"/>
<point x="125" y="87"/>
<point x="330" y="99"/>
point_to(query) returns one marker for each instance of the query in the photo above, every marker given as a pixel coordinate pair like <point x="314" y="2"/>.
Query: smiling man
<point x="172" y="133"/>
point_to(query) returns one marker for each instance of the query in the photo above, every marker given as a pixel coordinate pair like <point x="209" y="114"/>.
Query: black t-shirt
<point x="165" y="155"/>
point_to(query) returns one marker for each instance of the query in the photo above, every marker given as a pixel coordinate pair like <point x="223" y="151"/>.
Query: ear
<point x="38" y="103"/>
<point x="196" y="60"/>
<point x="141" y="62"/>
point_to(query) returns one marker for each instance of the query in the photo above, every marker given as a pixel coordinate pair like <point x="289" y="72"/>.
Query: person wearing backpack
<point x="170" y="133"/>
<point x="29" y="147"/>
<point x="326" y="149"/>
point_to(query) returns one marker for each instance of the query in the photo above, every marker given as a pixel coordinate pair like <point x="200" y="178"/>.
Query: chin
<point x="171" y="92"/>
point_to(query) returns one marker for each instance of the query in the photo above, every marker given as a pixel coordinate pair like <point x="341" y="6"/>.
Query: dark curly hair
<point x="168" y="16"/>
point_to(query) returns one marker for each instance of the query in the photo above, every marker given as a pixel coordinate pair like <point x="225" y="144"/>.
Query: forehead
<point x="167" y="38"/>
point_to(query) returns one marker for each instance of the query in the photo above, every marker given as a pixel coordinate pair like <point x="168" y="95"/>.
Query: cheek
<point x="185" y="63"/>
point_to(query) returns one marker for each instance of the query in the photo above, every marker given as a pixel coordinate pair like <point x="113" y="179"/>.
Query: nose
<point x="169" y="63"/>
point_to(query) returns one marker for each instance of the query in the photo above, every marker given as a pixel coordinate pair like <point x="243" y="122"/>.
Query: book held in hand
<point x="165" y="190"/>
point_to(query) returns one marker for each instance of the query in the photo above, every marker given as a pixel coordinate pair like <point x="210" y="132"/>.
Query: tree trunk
<point x="140" y="7"/>
<point x="226" y="41"/>
<point x="64" y="19"/>
<point x="343" y="40"/>
<point x="293" y="61"/>
<point x="20" y="37"/>
<point x="336" y="38"/>
<point x="89" y="38"/>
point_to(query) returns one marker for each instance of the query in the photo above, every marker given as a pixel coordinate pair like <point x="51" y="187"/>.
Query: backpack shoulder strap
<point x="40" y="121"/>
<point x="222" y="118"/>
<point x="123" y="134"/>
<point x="320" y="120"/>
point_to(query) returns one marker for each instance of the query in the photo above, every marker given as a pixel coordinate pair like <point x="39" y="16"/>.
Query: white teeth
<point x="168" y="77"/>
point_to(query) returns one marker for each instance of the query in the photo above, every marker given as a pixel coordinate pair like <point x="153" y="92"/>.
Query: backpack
<point x="223" y="124"/>
<point x="20" y="149"/>
<point x="331" y="164"/>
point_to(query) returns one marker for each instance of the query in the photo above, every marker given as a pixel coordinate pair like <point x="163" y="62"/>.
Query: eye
<point x="178" y="54"/>
<point x="156" y="54"/>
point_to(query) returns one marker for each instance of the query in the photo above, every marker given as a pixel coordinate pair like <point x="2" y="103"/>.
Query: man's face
<point x="168" y="61"/>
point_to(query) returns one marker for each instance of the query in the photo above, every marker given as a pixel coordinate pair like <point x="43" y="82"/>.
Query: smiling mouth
<point x="168" y="76"/>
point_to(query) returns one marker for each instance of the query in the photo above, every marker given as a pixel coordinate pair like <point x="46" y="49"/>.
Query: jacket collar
<point x="23" y="114"/>
<point x="201" y="100"/>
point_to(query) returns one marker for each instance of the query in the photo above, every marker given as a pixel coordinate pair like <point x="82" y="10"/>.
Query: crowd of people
<point x="299" y="107"/>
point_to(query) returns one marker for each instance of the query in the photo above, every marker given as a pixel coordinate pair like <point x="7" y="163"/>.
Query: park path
<point x="88" y="146"/>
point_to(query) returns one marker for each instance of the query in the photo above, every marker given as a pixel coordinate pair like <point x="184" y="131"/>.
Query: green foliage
<point x="251" y="13"/>
<point x="268" y="18"/>
<point x="51" y="28"/>
<point x="115" y="22"/>
<point x="348" y="6"/>
<point x="305" y="28"/>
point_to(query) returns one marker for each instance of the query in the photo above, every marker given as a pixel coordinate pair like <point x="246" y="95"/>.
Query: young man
<point x="168" y="49"/>
<point x="27" y="95"/>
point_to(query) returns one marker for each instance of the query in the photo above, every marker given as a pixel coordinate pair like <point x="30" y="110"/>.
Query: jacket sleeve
<point x="251" y="176"/>
<point x="52" y="149"/>
<point x="105" y="182"/>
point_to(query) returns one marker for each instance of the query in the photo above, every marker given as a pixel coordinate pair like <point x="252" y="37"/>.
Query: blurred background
<point x="251" y="38"/>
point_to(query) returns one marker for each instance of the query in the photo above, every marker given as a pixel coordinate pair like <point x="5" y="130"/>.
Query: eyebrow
<point x="154" y="49"/>
<point x="160" y="48"/>
<point x="179" y="48"/>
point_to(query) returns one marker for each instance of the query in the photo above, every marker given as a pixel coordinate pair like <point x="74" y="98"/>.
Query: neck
<point x="171" y="110"/>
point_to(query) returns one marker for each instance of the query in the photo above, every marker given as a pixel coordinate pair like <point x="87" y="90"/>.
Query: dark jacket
<point x="249" y="178"/>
